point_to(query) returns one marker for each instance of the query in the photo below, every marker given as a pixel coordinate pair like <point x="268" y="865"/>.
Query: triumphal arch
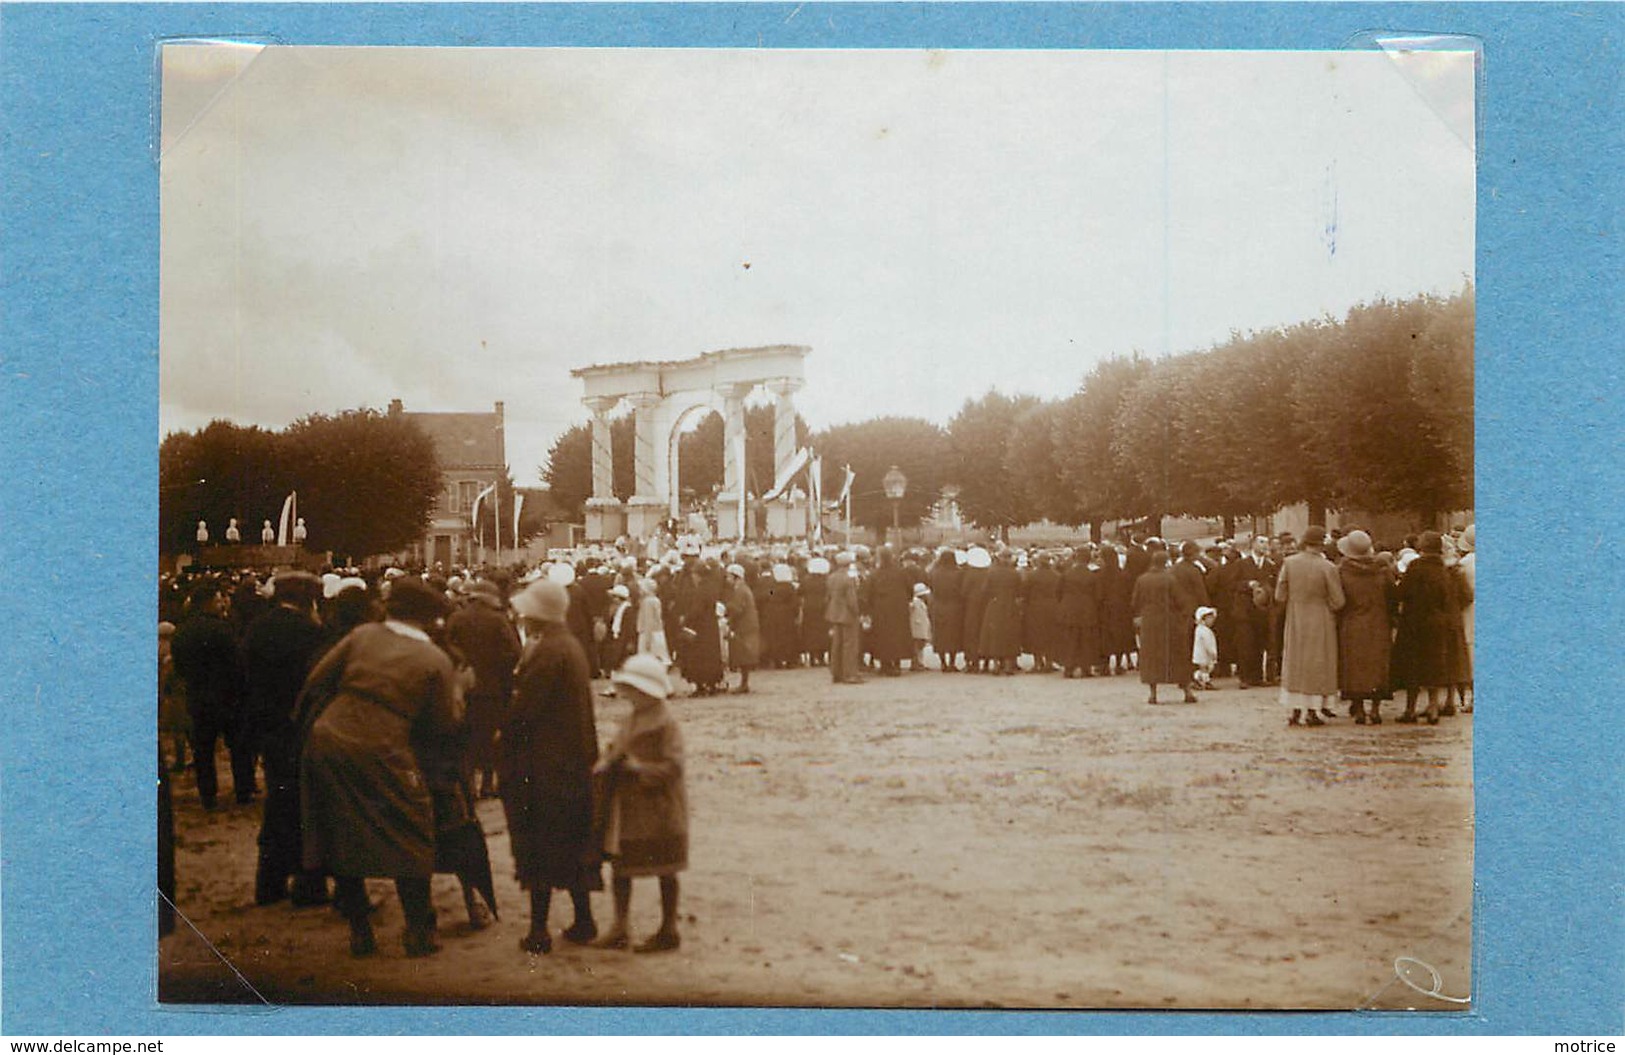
<point x="663" y="397"/>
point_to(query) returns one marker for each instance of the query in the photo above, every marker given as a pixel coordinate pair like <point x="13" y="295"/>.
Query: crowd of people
<point x="382" y="706"/>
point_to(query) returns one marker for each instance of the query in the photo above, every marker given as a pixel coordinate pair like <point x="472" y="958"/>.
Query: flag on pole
<point x="846" y="487"/>
<point x="788" y="475"/>
<point x="518" y="504"/>
<point x="815" y="497"/>
<point x="287" y="519"/>
<point x="474" y="512"/>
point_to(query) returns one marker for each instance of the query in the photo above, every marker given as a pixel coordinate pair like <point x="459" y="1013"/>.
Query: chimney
<point x="396" y="407"/>
<point x="499" y="413"/>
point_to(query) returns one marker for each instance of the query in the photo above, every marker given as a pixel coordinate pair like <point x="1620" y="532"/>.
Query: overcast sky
<point x="452" y="227"/>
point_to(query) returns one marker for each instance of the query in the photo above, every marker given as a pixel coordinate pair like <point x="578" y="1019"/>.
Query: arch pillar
<point x="647" y="508"/>
<point x="606" y="517"/>
<point x="729" y="524"/>
<point x="783" y="519"/>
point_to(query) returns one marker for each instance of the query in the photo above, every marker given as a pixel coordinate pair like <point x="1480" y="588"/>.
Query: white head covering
<point x="561" y="573"/>
<point x="979" y="558"/>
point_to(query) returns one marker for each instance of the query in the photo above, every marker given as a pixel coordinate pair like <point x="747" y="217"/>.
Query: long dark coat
<point x="1165" y="645"/>
<point x="1422" y="642"/>
<point x="781" y="643"/>
<point x="975" y="592"/>
<point x="890" y="638"/>
<point x="814" y="627"/>
<point x="1001" y="621"/>
<point x="204" y="651"/>
<point x="947" y="582"/>
<point x="391" y="710"/>
<point x="545" y="757"/>
<point x="1117" y="597"/>
<point x="278" y="652"/>
<point x="1081" y="605"/>
<point x="1041" y="631"/>
<point x="744" y="627"/>
<point x="482" y="636"/>
<point x="1364" y="628"/>
<point x="699" y="653"/>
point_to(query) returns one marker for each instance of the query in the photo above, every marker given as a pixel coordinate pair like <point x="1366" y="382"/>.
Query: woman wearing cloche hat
<point x="545" y="753"/>
<point x="645" y="820"/>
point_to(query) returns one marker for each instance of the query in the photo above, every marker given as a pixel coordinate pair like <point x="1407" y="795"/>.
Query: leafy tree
<point x="367" y="481"/>
<point x="219" y="472"/>
<point x="871" y="448"/>
<point x="1103" y="486"/>
<point x="978" y="437"/>
<point x="1170" y="430"/>
<point x="1386" y="399"/>
<point x="1033" y="463"/>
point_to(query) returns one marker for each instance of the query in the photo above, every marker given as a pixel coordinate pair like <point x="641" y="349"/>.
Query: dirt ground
<point x="949" y="841"/>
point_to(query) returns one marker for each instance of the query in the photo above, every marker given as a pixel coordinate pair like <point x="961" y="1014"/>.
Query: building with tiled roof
<point x="472" y="456"/>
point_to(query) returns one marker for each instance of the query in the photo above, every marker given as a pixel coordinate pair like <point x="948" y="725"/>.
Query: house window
<point x="462" y="495"/>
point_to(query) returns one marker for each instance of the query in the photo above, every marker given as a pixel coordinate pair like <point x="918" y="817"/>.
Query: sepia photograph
<point x="850" y="528"/>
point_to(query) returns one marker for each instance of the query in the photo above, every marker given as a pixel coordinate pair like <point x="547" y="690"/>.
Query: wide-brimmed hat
<point x="921" y="589"/>
<point x="783" y="573"/>
<point x="1315" y="536"/>
<point x="561" y="572"/>
<point x="646" y="673"/>
<point x="620" y="590"/>
<point x="1355" y="544"/>
<point x="543" y="600"/>
<point x="978" y="557"/>
<point x="736" y="570"/>
<point x="412" y="600"/>
<point x="818" y="566"/>
<point x="1204" y="611"/>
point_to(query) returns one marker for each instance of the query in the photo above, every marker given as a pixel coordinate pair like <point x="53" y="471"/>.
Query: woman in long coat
<point x="1081" y="606"/>
<point x="1312" y="594"/>
<point x="1365" y="632"/>
<point x="744" y="626"/>
<point x="1117" y="612"/>
<point x="1001" y="619"/>
<point x="645" y="821"/>
<point x="781" y="644"/>
<point x="1165" y="651"/>
<point x="700" y="654"/>
<point x="1041" y="631"/>
<point x="545" y="755"/>
<point x="814" y="595"/>
<point x="379" y="710"/>
<point x="947" y="603"/>
<point x="890" y="638"/>
<point x="1428" y="605"/>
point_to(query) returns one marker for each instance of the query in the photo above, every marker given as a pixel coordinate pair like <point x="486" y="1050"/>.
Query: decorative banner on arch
<point x="797" y="463"/>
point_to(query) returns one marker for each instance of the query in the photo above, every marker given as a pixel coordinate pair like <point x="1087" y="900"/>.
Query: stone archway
<point x="660" y="394"/>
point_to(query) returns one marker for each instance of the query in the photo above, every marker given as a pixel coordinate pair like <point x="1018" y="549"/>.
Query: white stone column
<point x="606" y="519"/>
<point x="780" y="520"/>
<point x="648" y="507"/>
<point x="733" y="464"/>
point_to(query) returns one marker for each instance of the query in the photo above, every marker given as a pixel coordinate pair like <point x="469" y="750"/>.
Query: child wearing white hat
<point x="1205" y="647"/>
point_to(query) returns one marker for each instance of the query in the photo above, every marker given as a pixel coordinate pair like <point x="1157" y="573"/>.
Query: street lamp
<point x="895" y="484"/>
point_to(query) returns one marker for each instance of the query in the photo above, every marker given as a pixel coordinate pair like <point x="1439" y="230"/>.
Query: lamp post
<point x="895" y="484"/>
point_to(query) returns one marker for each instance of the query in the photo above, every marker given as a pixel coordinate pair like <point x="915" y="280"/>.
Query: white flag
<point x="518" y="504"/>
<point x="846" y="488"/>
<point x="474" y="513"/>
<point x="789" y="474"/>
<point x="286" y="521"/>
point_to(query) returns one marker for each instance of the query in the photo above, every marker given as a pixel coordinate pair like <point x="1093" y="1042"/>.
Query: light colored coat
<point x="1313" y="594"/>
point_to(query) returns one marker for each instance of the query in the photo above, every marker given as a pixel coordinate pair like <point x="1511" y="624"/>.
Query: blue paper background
<point x="78" y="488"/>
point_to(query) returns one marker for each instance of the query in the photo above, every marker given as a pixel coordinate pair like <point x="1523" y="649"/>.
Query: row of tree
<point x="367" y="482"/>
<point x="1373" y="411"/>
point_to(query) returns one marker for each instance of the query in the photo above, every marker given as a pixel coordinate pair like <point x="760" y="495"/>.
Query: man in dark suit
<point x="1249" y="576"/>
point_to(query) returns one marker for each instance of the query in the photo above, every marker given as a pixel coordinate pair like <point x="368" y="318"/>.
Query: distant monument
<point x="663" y="395"/>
